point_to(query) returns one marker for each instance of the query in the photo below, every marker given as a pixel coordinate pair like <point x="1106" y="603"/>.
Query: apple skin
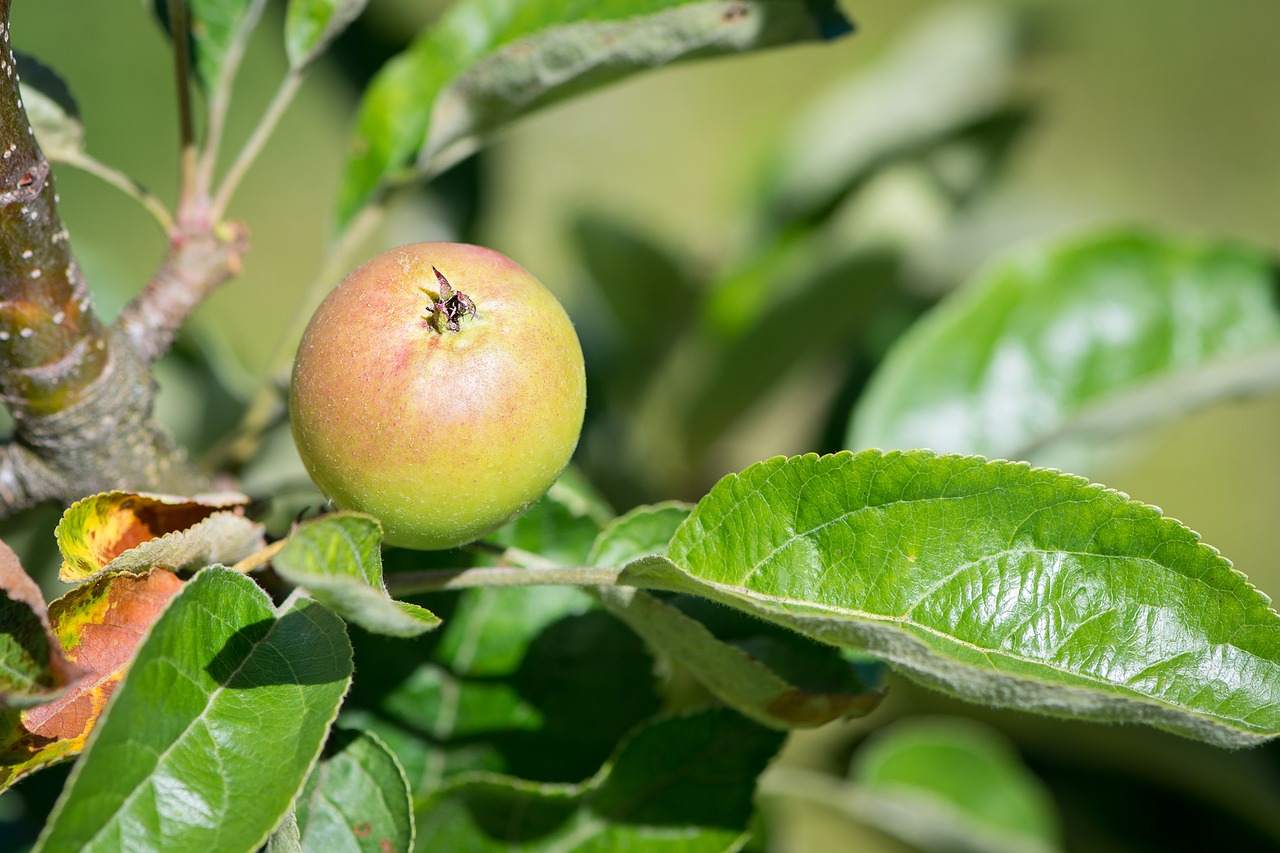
<point x="442" y="435"/>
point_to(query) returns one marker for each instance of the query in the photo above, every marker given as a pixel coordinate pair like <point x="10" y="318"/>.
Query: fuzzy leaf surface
<point x="488" y="62"/>
<point x="993" y="581"/>
<point x="99" y="625"/>
<point x="128" y="532"/>
<point x="338" y="559"/>
<point x="237" y="698"/>
<point x="356" y="798"/>
<point x="682" y="784"/>
<point x="1058" y="351"/>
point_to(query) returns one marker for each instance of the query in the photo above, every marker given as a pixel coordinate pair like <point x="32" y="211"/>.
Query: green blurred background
<point x="1159" y="112"/>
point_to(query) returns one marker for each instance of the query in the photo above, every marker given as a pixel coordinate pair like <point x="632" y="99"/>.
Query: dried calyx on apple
<point x="440" y="387"/>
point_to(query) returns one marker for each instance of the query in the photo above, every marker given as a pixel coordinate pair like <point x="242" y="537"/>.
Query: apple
<point x="440" y="388"/>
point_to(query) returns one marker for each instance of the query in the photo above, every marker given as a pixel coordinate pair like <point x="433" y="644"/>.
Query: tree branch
<point x="198" y="262"/>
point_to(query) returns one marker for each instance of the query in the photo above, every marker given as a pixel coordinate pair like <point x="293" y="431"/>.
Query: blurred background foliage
<point x="739" y="243"/>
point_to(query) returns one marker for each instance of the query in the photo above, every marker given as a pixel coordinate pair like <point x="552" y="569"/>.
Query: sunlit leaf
<point x="338" y="559"/>
<point x="682" y="783"/>
<point x="486" y="63"/>
<point x="310" y="25"/>
<point x="781" y="680"/>
<point x="992" y="581"/>
<point x="128" y="532"/>
<point x="210" y="736"/>
<point x="99" y="624"/>
<point x="1055" y="353"/>
<point x="356" y="798"/>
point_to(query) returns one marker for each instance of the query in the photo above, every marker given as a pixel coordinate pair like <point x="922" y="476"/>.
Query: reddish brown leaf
<point x="32" y="666"/>
<point x="99" y="624"/>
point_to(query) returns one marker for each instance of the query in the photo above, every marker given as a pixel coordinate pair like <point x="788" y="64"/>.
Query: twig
<point x="220" y="97"/>
<point x="434" y="580"/>
<point x="257" y="140"/>
<point x="186" y="125"/>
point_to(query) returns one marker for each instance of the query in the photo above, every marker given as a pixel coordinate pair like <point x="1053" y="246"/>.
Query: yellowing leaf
<point x="99" y="625"/>
<point x="123" y="531"/>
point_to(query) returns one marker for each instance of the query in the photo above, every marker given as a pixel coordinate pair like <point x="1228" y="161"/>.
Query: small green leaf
<point x="992" y="581"/>
<point x="310" y="25"/>
<point x="128" y="532"/>
<point x="1056" y="352"/>
<point x="745" y="674"/>
<point x="33" y="667"/>
<point x="51" y="109"/>
<point x="208" y="739"/>
<point x="948" y="783"/>
<point x="338" y="559"/>
<point x="681" y="783"/>
<point x="356" y="798"/>
<point x="487" y="63"/>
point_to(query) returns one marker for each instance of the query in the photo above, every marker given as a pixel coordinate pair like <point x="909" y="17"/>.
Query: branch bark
<point x="81" y="395"/>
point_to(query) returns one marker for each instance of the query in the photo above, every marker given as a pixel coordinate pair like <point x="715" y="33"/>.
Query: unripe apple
<point x="440" y="387"/>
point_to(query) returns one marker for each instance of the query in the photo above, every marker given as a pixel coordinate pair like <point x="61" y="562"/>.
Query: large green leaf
<point x="680" y="784"/>
<point x="1052" y="354"/>
<point x="211" y="734"/>
<point x="777" y="678"/>
<point x="487" y="62"/>
<point x="356" y="799"/>
<point x="993" y="581"/>
<point x="338" y="559"/>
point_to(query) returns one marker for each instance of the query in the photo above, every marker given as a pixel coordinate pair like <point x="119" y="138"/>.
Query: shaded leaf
<point x="950" y="784"/>
<point x="356" y="798"/>
<point x="310" y="25"/>
<point x="562" y="525"/>
<point x="128" y="532"/>
<point x="1052" y="354"/>
<point x="756" y="675"/>
<point x="236" y="697"/>
<point x="528" y="681"/>
<point x="337" y="558"/>
<point x="681" y="783"/>
<point x="486" y="63"/>
<point x="51" y="110"/>
<point x="99" y="624"/>
<point x="950" y="74"/>
<point x="33" y="668"/>
<point x="992" y="581"/>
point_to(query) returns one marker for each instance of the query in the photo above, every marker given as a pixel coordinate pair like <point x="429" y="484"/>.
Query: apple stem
<point x="448" y="306"/>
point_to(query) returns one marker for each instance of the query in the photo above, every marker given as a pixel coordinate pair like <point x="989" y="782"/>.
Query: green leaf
<point x="994" y="582"/>
<point x="948" y="784"/>
<point x="951" y="73"/>
<point x="51" y="110"/>
<point x="1052" y="354"/>
<point x="488" y="62"/>
<point x="211" y="734"/>
<point x="33" y="667"/>
<point x="562" y="526"/>
<point x="755" y="674"/>
<point x="338" y="559"/>
<point x="217" y="31"/>
<point x="129" y="532"/>
<point x="530" y="681"/>
<point x="682" y="783"/>
<point x="356" y="798"/>
<point x="310" y="25"/>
